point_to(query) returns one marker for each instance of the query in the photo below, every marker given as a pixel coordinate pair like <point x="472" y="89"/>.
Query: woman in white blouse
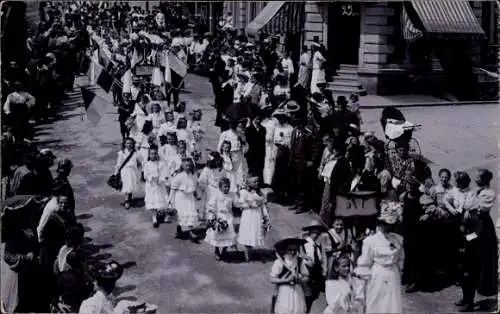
<point x="282" y="140"/>
<point x="237" y="154"/>
<point x="318" y="71"/>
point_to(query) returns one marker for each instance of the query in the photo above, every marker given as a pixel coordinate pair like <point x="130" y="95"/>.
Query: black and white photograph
<point x="281" y="157"/>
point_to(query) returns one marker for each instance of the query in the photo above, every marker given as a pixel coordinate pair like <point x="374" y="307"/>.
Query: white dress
<point x="157" y="119"/>
<point x="240" y="167"/>
<point x="130" y="173"/>
<point x="304" y="70"/>
<point x="167" y="152"/>
<point x="97" y="304"/>
<point x="140" y="118"/>
<point x="290" y="298"/>
<point x="383" y="258"/>
<point x="208" y="181"/>
<point x="270" y="150"/>
<point x="341" y="294"/>
<point x="318" y="73"/>
<point x="142" y="145"/>
<point x="167" y="127"/>
<point x="155" y="173"/>
<point x="220" y="205"/>
<point x="254" y="208"/>
<point x="187" y="136"/>
<point x="183" y="186"/>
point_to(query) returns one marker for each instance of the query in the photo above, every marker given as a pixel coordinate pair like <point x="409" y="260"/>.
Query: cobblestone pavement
<point x="182" y="276"/>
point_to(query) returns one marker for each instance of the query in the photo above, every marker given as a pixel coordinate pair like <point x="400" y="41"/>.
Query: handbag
<point x="115" y="180"/>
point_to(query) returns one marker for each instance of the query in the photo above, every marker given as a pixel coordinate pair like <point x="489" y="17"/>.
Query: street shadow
<point x="126" y="298"/>
<point x="99" y="257"/>
<point x="87" y="229"/>
<point x="137" y="202"/>
<point x="48" y="142"/>
<point x="87" y="240"/>
<point x="128" y="265"/>
<point x="488" y="305"/>
<point x="123" y="289"/>
<point x="90" y="249"/>
<point x="84" y="216"/>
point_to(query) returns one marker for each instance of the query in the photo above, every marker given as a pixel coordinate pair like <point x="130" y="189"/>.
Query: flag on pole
<point x="175" y="69"/>
<point x="98" y="75"/>
<point x="95" y="106"/>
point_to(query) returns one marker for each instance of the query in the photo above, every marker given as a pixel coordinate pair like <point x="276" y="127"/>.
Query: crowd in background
<point x="284" y="139"/>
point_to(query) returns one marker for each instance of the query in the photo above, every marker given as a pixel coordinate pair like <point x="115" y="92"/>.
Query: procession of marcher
<point x="377" y="210"/>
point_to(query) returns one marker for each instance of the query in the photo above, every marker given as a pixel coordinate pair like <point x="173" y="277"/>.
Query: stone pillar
<point x="314" y="20"/>
<point x="374" y="45"/>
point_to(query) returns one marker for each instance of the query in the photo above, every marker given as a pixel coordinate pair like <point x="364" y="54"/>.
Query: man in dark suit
<point x="256" y="139"/>
<point x="224" y="100"/>
<point x="304" y="152"/>
<point x="340" y="182"/>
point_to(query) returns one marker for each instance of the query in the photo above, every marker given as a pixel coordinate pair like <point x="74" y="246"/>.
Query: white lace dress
<point x="253" y="205"/>
<point x="220" y="206"/>
<point x="155" y="173"/>
<point x="183" y="185"/>
<point x="130" y="174"/>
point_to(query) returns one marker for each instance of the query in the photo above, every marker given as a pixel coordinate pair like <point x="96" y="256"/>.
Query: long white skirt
<point x="384" y="292"/>
<point x="290" y="300"/>
<point x="155" y="196"/>
<point x="131" y="180"/>
<point x="269" y="163"/>
<point x="185" y="204"/>
<point x="251" y="232"/>
<point x="221" y="239"/>
<point x="318" y="76"/>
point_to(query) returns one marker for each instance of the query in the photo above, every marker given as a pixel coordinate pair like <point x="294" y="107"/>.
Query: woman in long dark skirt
<point x="481" y="249"/>
<point x="282" y="139"/>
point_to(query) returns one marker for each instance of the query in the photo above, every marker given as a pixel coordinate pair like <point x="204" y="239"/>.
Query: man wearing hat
<point x="316" y="262"/>
<point x="304" y="153"/>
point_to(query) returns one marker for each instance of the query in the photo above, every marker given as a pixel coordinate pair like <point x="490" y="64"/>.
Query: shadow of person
<point x="123" y="289"/>
<point x="84" y="216"/>
<point x="129" y="265"/>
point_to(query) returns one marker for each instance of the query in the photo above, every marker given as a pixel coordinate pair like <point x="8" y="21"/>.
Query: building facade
<point x="243" y="12"/>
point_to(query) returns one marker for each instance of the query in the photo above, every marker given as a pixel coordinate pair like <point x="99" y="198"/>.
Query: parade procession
<point x="178" y="157"/>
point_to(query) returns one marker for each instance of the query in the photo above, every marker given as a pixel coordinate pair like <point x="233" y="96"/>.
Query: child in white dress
<point x="168" y="125"/>
<point x="289" y="273"/>
<point x="220" y="233"/>
<point x="227" y="165"/>
<point x="175" y="162"/>
<point x="255" y="220"/>
<point x="182" y="197"/>
<point x="209" y="178"/>
<point x="129" y="161"/>
<point x="184" y="134"/>
<point x="194" y="126"/>
<point x="344" y="293"/>
<point x="179" y="111"/>
<point x="157" y="118"/>
<point x="169" y="148"/>
<point x="155" y="174"/>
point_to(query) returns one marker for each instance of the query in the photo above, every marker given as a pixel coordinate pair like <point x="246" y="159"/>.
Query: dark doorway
<point x="343" y="32"/>
<point x="293" y="46"/>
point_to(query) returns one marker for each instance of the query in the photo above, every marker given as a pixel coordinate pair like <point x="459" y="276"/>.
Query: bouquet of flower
<point x="171" y="211"/>
<point x="212" y="223"/>
<point x="222" y="225"/>
<point x="266" y="223"/>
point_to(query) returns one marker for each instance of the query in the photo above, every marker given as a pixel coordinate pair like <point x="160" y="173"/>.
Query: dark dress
<point x="256" y="139"/>
<point x="21" y="284"/>
<point x="412" y="210"/>
<point x="222" y="102"/>
<point x="23" y="182"/>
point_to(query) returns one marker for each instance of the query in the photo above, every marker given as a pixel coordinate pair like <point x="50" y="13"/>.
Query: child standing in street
<point x="255" y="221"/>
<point x="155" y="189"/>
<point x="220" y="233"/>
<point x="127" y="166"/>
<point x="210" y="177"/>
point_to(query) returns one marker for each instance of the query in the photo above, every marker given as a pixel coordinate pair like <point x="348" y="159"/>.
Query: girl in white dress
<point x="220" y="233"/>
<point x="185" y="134"/>
<point x="228" y="166"/>
<point x="175" y="162"/>
<point x="288" y="273"/>
<point x="139" y="115"/>
<point x="209" y="178"/>
<point x="157" y="117"/>
<point x="168" y="125"/>
<point x="237" y="151"/>
<point x="344" y="292"/>
<point x="195" y="128"/>
<point x="254" y="218"/>
<point x="129" y="173"/>
<point x="155" y="174"/>
<point x="182" y="197"/>
<point x="169" y="149"/>
<point x="381" y="261"/>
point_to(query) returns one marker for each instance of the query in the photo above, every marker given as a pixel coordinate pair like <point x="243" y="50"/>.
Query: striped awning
<point x="410" y="32"/>
<point x="446" y="17"/>
<point x="278" y="17"/>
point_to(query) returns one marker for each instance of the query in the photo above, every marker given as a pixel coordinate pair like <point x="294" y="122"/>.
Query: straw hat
<point x="110" y="271"/>
<point x="292" y="106"/>
<point x="315" y="225"/>
<point x="390" y="212"/>
<point x="281" y="112"/>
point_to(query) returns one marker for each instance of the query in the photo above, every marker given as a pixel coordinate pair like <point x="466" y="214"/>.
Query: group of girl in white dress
<point x="164" y="151"/>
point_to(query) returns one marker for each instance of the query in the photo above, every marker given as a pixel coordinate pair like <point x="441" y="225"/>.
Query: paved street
<point x="181" y="276"/>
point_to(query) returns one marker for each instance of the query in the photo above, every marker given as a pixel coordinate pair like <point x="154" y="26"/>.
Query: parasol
<point x="238" y="111"/>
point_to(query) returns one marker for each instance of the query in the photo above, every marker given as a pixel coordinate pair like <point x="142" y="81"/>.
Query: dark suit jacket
<point x="256" y="140"/>
<point x="341" y="178"/>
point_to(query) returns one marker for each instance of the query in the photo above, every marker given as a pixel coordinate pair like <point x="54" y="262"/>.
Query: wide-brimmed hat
<point x="315" y="225"/>
<point x="390" y="212"/>
<point x="110" y="271"/>
<point x="285" y="243"/>
<point x="281" y="112"/>
<point x="292" y="106"/>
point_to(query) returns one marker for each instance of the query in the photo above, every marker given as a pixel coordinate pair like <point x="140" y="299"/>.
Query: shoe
<point x="127" y="205"/>
<point x="180" y="234"/>
<point x="193" y="237"/>
<point x="155" y="222"/>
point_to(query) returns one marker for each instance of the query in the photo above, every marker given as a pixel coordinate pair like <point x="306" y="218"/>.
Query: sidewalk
<point x="376" y="101"/>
